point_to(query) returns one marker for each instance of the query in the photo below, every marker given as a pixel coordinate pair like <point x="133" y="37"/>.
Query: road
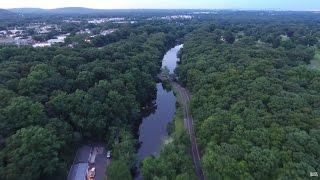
<point x="188" y="120"/>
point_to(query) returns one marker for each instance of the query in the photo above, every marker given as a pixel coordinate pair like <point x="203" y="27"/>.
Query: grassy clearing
<point x="315" y="62"/>
<point x="178" y="123"/>
<point x="178" y="96"/>
<point x="178" y="119"/>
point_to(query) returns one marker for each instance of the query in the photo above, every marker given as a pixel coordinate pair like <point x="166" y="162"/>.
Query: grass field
<point x="315" y="62"/>
<point x="178" y="122"/>
<point x="178" y="118"/>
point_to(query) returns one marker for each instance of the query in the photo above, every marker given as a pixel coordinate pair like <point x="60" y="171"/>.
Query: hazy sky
<point x="168" y="4"/>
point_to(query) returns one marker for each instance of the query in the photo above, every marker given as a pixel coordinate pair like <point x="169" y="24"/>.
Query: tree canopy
<point x="31" y="153"/>
<point x="69" y="95"/>
<point x="255" y="104"/>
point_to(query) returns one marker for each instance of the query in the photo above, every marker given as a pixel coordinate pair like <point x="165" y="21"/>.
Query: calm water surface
<point x="170" y="59"/>
<point x="153" y="129"/>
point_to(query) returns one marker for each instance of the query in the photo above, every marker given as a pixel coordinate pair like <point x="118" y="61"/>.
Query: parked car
<point x="92" y="173"/>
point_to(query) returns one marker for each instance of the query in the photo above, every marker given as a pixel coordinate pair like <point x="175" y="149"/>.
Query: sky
<point x="168" y="4"/>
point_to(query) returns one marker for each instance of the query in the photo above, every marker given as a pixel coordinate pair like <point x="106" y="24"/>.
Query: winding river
<point x="153" y="129"/>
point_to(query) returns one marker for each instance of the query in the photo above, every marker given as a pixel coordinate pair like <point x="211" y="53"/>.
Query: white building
<point x="86" y="31"/>
<point x="108" y="31"/>
<point x="103" y="20"/>
<point x="59" y="39"/>
<point x="3" y="33"/>
<point x="43" y="44"/>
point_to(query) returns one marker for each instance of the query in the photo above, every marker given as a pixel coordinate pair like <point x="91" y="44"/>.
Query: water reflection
<point x="153" y="128"/>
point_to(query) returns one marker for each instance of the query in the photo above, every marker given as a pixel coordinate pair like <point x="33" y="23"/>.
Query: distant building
<point x="86" y="31"/>
<point x="59" y="39"/>
<point x="54" y="41"/>
<point x="108" y="31"/>
<point x="104" y="20"/>
<point x="125" y="22"/>
<point x="177" y="17"/>
<point x="72" y="21"/>
<point x="16" y="40"/>
<point x="6" y="40"/>
<point x="42" y="44"/>
<point x="174" y="17"/>
<point x="87" y="40"/>
<point x="15" y="31"/>
<point x="3" y="33"/>
<point x="23" y="41"/>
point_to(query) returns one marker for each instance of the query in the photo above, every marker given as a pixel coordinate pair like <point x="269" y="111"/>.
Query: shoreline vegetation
<point x="174" y="160"/>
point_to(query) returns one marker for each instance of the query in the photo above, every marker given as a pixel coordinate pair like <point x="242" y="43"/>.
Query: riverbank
<point x="153" y="129"/>
<point x="175" y="160"/>
<point x="179" y="126"/>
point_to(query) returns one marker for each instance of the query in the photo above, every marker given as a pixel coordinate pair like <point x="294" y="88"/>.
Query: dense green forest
<point x="53" y="98"/>
<point x="255" y="98"/>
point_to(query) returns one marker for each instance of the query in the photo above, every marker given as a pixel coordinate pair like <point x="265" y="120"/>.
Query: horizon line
<point x="210" y="9"/>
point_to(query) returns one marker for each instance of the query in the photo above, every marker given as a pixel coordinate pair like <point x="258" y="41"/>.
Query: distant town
<point x="44" y="34"/>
